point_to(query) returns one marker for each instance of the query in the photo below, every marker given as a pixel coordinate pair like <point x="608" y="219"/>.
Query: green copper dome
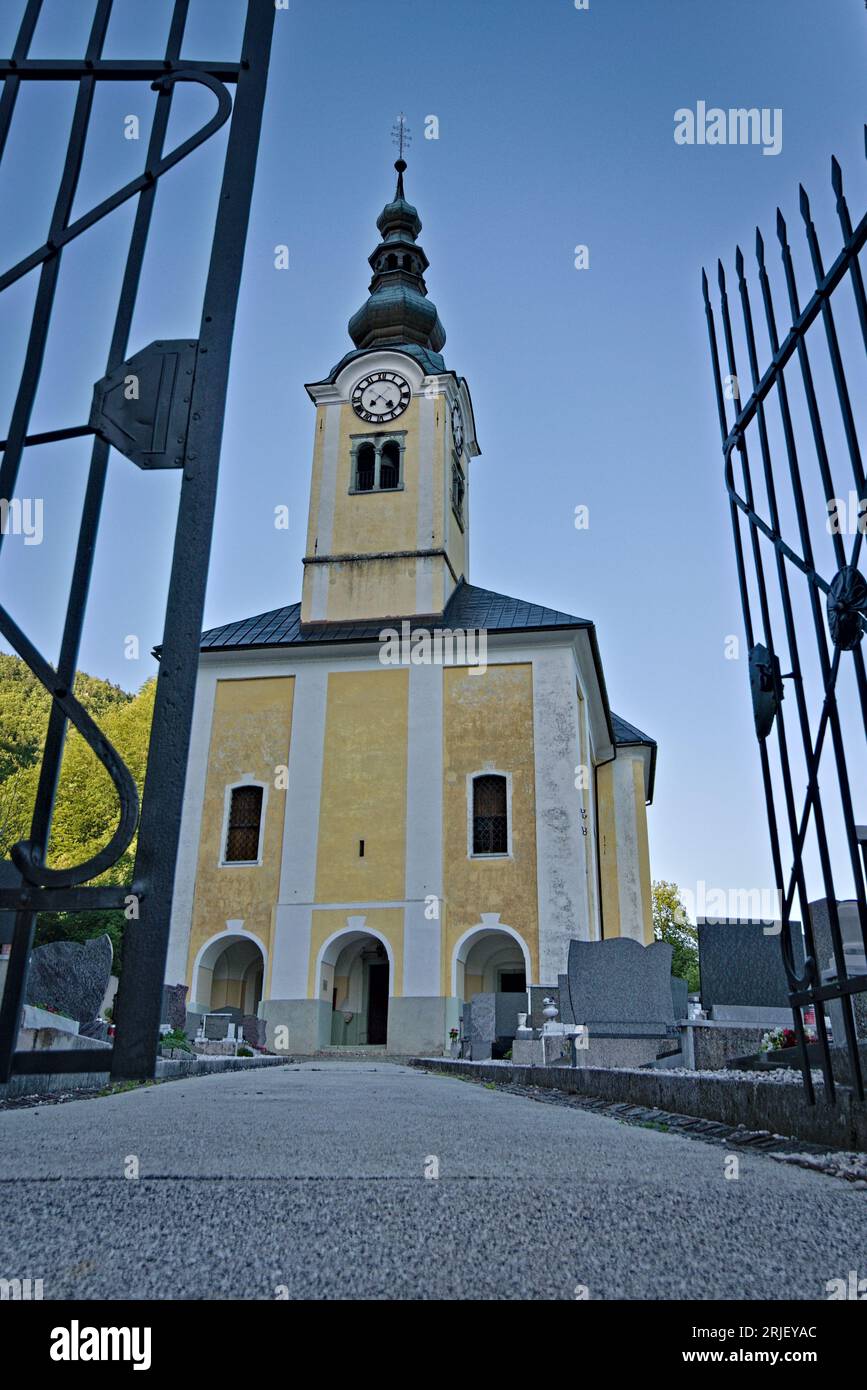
<point x="398" y="311"/>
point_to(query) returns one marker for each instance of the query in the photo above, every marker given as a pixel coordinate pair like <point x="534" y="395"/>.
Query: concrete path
<point x="310" y="1181"/>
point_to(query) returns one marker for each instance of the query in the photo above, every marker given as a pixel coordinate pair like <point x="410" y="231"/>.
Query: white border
<point x="471" y="777"/>
<point x="245" y="780"/>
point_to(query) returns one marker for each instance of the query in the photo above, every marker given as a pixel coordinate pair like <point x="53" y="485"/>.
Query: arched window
<point x="490" y="815"/>
<point x="245" y="823"/>
<point x="389" y="465"/>
<point x="407" y="262"/>
<point x="392" y="262"/>
<point x="365" y="467"/>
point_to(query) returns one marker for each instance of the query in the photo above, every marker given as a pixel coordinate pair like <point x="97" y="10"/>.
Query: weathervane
<point x="401" y="135"/>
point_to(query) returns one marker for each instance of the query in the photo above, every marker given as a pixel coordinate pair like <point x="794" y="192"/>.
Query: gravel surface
<point x="311" y="1180"/>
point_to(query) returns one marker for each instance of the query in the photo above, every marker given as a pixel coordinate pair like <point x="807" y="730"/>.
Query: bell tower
<point x="388" y="524"/>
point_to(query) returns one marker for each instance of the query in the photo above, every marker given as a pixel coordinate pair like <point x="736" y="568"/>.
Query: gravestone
<point x="853" y="951"/>
<point x="72" y="978"/>
<point x="741" y="962"/>
<point x="850" y="928"/>
<point x="680" y="997"/>
<point x="254" y="1030"/>
<point x="621" y="990"/>
<point x="491" y="1020"/>
<point x="619" y="985"/>
<point x="174" y="1011"/>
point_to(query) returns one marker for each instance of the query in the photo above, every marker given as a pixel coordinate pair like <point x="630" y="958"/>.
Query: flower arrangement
<point x="453" y="1035"/>
<point x="776" y="1039"/>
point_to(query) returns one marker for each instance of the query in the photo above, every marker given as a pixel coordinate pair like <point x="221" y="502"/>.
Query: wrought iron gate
<point x="764" y="502"/>
<point x="174" y="420"/>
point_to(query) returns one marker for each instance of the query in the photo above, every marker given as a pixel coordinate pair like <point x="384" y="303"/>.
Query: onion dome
<point x="398" y="311"/>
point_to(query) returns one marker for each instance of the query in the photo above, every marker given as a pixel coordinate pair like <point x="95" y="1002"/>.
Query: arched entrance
<point x="488" y="959"/>
<point x="229" y="972"/>
<point x="356" y="968"/>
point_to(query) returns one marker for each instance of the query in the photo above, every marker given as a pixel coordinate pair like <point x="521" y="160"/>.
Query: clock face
<point x="458" y="428"/>
<point x="381" y="397"/>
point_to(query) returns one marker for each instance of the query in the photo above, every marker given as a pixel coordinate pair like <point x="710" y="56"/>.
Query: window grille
<point x="490" y="818"/>
<point x="245" y="819"/>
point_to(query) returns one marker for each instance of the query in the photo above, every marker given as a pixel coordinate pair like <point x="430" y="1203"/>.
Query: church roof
<point x="469" y="607"/>
<point x="626" y="734"/>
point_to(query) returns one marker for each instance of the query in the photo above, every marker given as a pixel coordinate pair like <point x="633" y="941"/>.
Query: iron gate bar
<point x="807" y="989"/>
<point x="138" y="1001"/>
<point x="151" y="174"/>
<point x="113" y="69"/>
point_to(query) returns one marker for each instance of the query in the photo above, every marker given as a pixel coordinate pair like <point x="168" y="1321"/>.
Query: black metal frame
<point x="27" y="885"/>
<point x="844" y="592"/>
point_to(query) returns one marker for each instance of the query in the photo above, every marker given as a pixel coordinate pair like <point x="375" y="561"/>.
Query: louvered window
<point x="245" y="819"/>
<point x="490" y="815"/>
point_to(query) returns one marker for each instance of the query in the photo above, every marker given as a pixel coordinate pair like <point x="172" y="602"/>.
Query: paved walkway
<point x="311" y="1179"/>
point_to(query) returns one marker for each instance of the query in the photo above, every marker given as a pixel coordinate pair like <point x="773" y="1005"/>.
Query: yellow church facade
<point x="405" y="789"/>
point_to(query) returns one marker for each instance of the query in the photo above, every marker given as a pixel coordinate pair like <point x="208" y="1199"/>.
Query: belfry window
<point x="365" y="468"/>
<point x="377" y="462"/>
<point x="490" y="814"/>
<point x="245" y="824"/>
<point x="389" y="466"/>
<point x="458" y="490"/>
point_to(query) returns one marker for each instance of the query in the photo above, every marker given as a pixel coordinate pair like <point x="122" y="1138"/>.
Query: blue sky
<point x="590" y="387"/>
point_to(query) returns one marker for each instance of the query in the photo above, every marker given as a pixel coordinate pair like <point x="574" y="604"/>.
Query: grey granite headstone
<point x="850" y="927"/>
<point x="619" y="987"/>
<point x="174" y="1011"/>
<point x="254" y="1030"/>
<point x="506" y="1010"/>
<point x="680" y="996"/>
<point x="491" y="1018"/>
<point x="538" y="994"/>
<point x="71" y="977"/>
<point x="741" y="962"/>
<point x="217" y="1027"/>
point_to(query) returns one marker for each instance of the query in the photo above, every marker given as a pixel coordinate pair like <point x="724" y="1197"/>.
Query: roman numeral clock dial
<point x="381" y="397"/>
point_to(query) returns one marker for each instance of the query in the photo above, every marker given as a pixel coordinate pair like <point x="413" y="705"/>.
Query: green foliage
<point x="671" y="923"/>
<point x="177" y="1038"/>
<point x="86" y="809"/>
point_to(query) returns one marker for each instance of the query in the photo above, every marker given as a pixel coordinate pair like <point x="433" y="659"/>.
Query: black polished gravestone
<point x="71" y="979"/>
<point x="741" y="962"/>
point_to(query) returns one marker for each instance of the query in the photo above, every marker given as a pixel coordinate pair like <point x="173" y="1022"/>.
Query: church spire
<point x="398" y="311"/>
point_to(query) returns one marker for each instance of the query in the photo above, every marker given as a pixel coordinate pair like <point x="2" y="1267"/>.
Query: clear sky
<point x="591" y="387"/>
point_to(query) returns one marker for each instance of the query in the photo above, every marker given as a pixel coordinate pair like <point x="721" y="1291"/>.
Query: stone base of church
<point x="417" y="1025"/>
<point x="296" y="1025"/>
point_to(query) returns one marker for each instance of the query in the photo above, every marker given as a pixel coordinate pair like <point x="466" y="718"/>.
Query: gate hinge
<point x="142" y="407"/>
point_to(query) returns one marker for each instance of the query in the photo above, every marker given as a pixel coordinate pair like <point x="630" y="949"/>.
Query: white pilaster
<point x="424" y="832"/>
<point x="424" y="587"/>
<point x="293" y="915"/>
<point x="191" y="825"/>
<point x="564" y="912"/>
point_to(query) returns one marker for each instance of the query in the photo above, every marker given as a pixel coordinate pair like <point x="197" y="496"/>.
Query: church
<point x="375" y="831"/>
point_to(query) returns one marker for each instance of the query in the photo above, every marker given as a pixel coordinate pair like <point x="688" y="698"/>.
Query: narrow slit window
<point x="245" y="822"/>
<point x="490" y="815"/>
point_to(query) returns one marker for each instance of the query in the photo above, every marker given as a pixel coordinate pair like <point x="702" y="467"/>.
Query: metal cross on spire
<point x="401" y="135"/>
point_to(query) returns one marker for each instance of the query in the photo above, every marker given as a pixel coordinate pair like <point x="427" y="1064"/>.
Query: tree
<point x="671" y="923"/>
<point x="86" y="809"/>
